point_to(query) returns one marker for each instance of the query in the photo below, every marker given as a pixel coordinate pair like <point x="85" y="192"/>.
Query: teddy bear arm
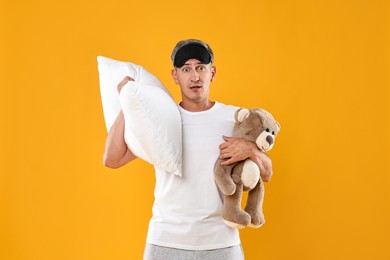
<point x="223" y="178"/>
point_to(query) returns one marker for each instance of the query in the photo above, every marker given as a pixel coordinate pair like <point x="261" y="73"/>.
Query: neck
<point x="197" y="106"/>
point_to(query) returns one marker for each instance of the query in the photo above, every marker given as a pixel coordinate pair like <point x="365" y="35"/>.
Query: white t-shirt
<point x="187" y="210"/>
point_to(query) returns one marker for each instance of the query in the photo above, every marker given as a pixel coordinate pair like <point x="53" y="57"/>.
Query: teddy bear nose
<point x="269" y="139"/>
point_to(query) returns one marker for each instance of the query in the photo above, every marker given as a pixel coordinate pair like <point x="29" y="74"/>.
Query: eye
<point x="267" y="130"/>
<point x="273" y="133"/>
<point x="201" y="68"/>
<point x="186" y="69"/>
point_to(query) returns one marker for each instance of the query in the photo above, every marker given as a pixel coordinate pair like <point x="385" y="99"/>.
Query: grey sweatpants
<point x="153" y="252"/>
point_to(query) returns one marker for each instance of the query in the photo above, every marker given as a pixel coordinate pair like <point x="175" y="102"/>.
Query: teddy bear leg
<point x="232" y="214"/>
<point x="254" y="205"/>
<point x="223" y="178"/>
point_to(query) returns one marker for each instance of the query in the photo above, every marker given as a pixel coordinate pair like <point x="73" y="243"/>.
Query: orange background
<point x="320" y="67"/>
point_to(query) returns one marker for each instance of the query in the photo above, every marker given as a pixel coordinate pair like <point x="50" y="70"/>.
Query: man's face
<point x="194" y="79"/>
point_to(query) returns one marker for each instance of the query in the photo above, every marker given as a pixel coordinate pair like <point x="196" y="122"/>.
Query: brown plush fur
<point x="250" y="125"/>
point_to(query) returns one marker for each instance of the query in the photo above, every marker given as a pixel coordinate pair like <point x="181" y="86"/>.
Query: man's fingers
<point x="227" y="138"/>
<point x="228" y="142"/>
<point x="224" y="156"/>
<point x="126" y="79"/>
<point x="124" y="82"/>
<point x="266" y="178"/>
<point x="227" y="162"/>
<point x="223" y="146"/>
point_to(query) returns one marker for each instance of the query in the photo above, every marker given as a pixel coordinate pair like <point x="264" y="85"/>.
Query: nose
<point x="269" y="139"/>
<point x="195" y="76"/>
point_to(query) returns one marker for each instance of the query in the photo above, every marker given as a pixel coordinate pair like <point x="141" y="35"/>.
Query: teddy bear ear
<point x="241" y="114"/>
<point x="277" y="123"/>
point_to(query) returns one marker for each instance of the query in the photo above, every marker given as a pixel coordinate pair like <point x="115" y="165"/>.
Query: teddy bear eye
<point x="267" y="130"/>
<point x="273" y="133"/>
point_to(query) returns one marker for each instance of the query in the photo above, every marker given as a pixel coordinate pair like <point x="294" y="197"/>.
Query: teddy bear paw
<point x="228" y="189"/>
<point x="233" y="225"/>
<point x="255" y="226"/>
<point x="257" y="221"/>
<point x="239" y="220"/>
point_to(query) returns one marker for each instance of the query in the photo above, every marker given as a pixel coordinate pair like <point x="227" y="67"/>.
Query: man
<point x="186" y="222"/>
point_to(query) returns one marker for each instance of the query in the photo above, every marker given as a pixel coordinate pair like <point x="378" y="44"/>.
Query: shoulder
<point x="226" y="112"/>
<point x="226" y="108"/>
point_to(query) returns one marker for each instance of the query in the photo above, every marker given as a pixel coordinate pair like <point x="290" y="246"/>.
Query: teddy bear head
<point x="256" y="125"/>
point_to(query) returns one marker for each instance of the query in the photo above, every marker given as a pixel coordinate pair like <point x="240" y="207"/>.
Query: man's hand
<point x="237" y="149"/>
<point x="123" y="83"/>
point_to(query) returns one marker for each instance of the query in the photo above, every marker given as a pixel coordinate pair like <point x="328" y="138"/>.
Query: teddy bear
<point x="258" y="126"/>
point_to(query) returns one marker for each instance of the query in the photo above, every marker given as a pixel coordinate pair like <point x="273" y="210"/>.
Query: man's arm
<point x="237" y="149"/>
<point x="116" y="153"/>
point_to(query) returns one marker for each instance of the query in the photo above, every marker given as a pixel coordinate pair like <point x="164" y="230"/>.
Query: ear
<point x="174" y="75"/>
<point x="241" y="114"/>
<point x="213" y="72"/>
<point x="277" y="123"/>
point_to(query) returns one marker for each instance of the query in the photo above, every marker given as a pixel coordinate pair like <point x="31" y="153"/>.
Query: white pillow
<point x="152" y="120"/>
